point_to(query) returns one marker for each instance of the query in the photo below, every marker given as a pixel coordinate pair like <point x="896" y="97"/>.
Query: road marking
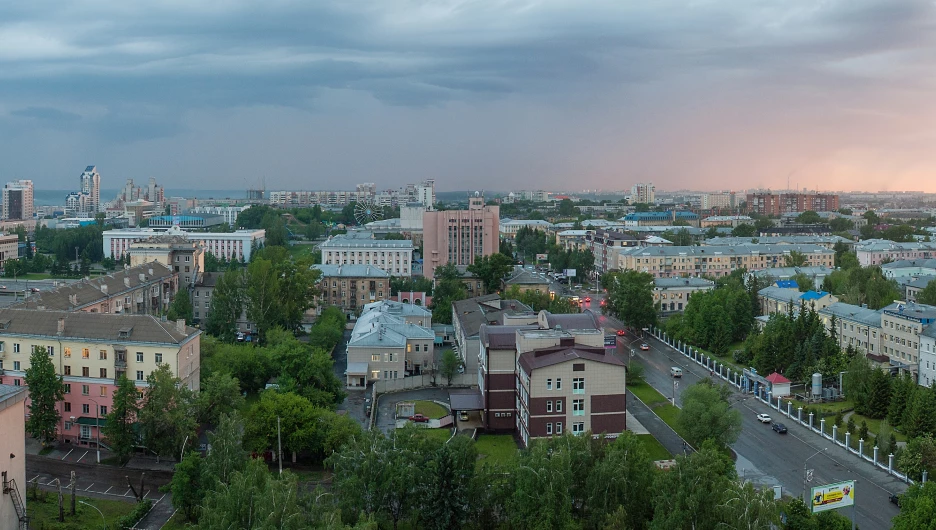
<point x="127" y="494"/>
<point x="89" y="487"/>
<point x="108" y="489"/>
<point x="82" y="456"/>
<point x="161" y="498"/>
<point x="32" y="479"/>
<point x="68" y="453"/>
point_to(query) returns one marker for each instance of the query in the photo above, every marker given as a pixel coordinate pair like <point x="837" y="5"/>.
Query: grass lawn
<point x="34" y="276"/>
<point x="298" y="251"/>
<point x="46" y="513"/>
<point x="431" y="409"/>
<point x="647" y="394"/>
<point x="496" y="448"/>
<point x="825" y="408"/>
<point x="728" y="358"/>
<point x="874" y="426"/>
<point x="441" y="434"/>
<point x="654" y="448"/>
<point x="669" y="414"/>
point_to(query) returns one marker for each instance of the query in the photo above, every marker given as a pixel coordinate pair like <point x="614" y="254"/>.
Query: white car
<point x="764" y="418"/>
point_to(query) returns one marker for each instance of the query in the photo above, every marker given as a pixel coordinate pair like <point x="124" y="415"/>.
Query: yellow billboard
<point x="833" y="496"/>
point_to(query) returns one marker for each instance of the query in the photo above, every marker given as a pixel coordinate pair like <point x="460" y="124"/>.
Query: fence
<point x="383" y="386"/>
<point x="736" y="379"/>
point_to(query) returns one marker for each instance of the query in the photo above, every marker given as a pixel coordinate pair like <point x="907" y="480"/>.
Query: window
<point x="16" y="347"/>
<point x="85" y="353"/>
<point x="578" y="407"/>
<point x="103" y="410"/>
<point x="67" y="369"/>
<point x="84" y="390"/>
<point x="578" y="385"/>
<point x="104" y="391"/>
<point x="102" y="355"/>
<point x="16" y="382"/>
<point x="417" y="347"/>
<point x="16" y="365"/>
<point x="86" y="409"/>
<point x="139" y="375"/>
<point x="558" y="383"/>
<point x="67" y="407"/>
<point x="549" y="406"/>
<point x="68" y="425"/>
<point x="68" y="388"/>
<point x="158" y="358"/>
<point x="51" y="351"/>
<point x="549" y="428"/>
<point x="375" y="357"/>
<point x="578" y="427"/>
<point x="558" y="405"/>
<point x="558" y="427"/>
<point x="103" y="373"/>
<point x="549" y="384"/>
<point x="67" y="352"/>
<point x="85" y="371"/>
<point x="139" y="356"/>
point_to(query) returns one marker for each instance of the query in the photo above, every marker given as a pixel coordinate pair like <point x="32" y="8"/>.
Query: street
<point x="767" y="458"/>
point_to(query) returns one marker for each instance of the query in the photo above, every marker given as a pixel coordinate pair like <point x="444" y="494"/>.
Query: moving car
<point x="895" y="499"/>
<point x="34" y="289"/>
<point x="764" y="418"/>
<point x="620" y="333"/>
<point x="645" y="346"/>
<point x="587" y="299"/>
<point x="418" y="418"/>
<point x="780" y="428"/>
<point x="675" y="371"/>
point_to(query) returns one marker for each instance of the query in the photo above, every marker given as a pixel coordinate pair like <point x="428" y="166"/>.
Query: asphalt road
<point x="767" y="458"/>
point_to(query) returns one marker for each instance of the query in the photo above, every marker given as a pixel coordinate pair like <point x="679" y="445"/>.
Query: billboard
<point x="542" y="257"/>
<point x="610" y="341"/>
<point x="833" y="496"/>
<point x="569" y="272"/>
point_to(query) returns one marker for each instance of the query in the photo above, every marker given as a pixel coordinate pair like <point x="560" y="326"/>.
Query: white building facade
<point x="237" y="245"/>
<point x="393" y="256"/>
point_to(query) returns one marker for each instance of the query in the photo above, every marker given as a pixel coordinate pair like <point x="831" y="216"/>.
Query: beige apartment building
<point x="676" y="261"/>
<point x="390" y="340"/>
<point x="91" y="351"/>
<point x="671" y="295"/>
<point x="901" y="325"/>
<point x="13" y="456"/>
<point x="360" y="248"/>
<point x="185" y="257"/>
<point x="855" y="326"/>
<point x="351" y="287"/>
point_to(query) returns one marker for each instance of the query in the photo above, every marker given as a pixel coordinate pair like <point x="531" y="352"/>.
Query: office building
<point x="460" y="236"/>
<point x="228" y="213"/>
<point x="901" y="326"/>
<point x="9" y="248"/>
<point x="927" y="357"/>
<point x="777" y="204"/>
<point x="236" y="245"/>
<point x="394" y="256"/>
<point x="18" y="200"/>
<point x="855" y="326"/>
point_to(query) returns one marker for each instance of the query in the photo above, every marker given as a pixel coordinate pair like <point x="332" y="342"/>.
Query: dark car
<point x="895" y="499"/>
<point x="418" y="418"/>
<point x="780" y="428"/>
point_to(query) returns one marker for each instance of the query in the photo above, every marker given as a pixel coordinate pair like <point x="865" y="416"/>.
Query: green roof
<point x="84" y="420"/>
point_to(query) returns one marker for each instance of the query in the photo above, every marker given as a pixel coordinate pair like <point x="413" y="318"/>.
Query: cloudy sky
<point x="494" y="94"/>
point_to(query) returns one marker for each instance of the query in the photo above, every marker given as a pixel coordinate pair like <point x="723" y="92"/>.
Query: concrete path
<point x="654" y="425"/>
<point x="158" y="516"/>
<point x="634" y="425"/>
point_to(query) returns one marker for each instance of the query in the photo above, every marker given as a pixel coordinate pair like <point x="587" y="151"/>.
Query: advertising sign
<point x="542" y="257"/>
<point x="569" y="272"/>
<point x="610" y="341"/>
<point x="833" y="496"/>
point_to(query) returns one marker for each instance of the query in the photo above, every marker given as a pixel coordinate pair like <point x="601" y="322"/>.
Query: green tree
<point x="920" y="416"/>
<point x="46" y="390"/>
<point x="543" y="486"/>
<point x="254" y="499"/>
<point x="623" y="478"/>
<point x="166" y="417"/>
<point x="450" y="363"/>
<point x="707" y="415"/>
<point x="567" y="209"/>
<point x="491" y="270"/>
<point x="630" y="298"/>
<point x="118" y="429"/>
<point x="917" y="508"/>
<point x="220" y="394"/>
<point x="857" y="382"/>
<point x="809" y="217"/>
<point x="227" y="454"/>
<point x="928" y="294"/>
<point x="794" y="259"/>
<point x="804" y="281"/>
<point x="689" y="495"/>
<point x="448" y="288"/>
<point x="879" y="395"/>
<point x="227" y="305"/>
<point x="188" y="488"/>
<point x="181" y="307"/>
<point x="744" y="230"/>
<point x="448" y="477"/>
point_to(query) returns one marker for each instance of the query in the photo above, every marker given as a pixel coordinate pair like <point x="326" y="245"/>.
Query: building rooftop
<point x="577" y="321"/>
<point x="351" y="271"/>
<point x="722" y="218"/>
<point x="10" y="394"/>
<point x="80" y="325"/>
<point x="501" y="337"/>
<point x="659" y="216"/>
<point x="739" y="250"/>
<point x="787" y="284"/>
<point x="853" y="313"/>
<point x="526" y="277"/>
<point x="885" y="245"/>
<point x="911" y="310"/>
<point x="358" y="241"/>
<point x="776" y="240"/>
<point x="472" y="313"/>
<point x="671" y="283"/>
<point x="535" y="359"/>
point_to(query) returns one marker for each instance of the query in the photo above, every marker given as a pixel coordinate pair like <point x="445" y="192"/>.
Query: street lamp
<point x="103" y="521"/>
<point x="97" y="425"/>
<point x="675" y="386"/>
<point x="804" y="473"/>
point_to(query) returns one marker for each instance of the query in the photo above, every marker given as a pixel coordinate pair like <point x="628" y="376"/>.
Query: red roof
<point x="777" y="378"/>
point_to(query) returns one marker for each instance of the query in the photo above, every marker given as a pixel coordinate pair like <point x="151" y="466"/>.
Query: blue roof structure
<point x="659" y="216"/>
<point x="813" y="295"/>
<point x="787" y="284"/>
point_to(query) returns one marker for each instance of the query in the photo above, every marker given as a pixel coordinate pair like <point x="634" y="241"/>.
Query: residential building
<point x="352" y="287"/>
<point x="822" y="241"/>
<point x="87" y="201"/>
<point x="782" y="299"/>
<point x="390" y="340"/>
<point x="469" y="315"/>
<point x="18" y="201"/>
<point x="777" y="204"/>
<point x="186" y="258"/>
<point x="360" y="248"/>
<point x="13" y="454"/>
<point x="855" y="326"/>
<point x="927" y="357"/>
<point x="605" y="245"/>
<point x="202" y="294"/>
<point x="817" y="274"/>
<point x="671" y="295"/>
<point x="643" y="194"/>
<point x="9" y="248"/>
<point x="509" y="227"/>
<point x="569" y="387"/>
<point x="677" y="261"/>
<point x="237" y="245"/>
<point x="572" y="239"/>
<point x="228" y="213"/>
<point x="527" y="280"/>
<point x="145" y="289"/>
<point x="668" y="218"/>
<point x="91" y="351"/>
<point x="879" y="251"/>
<point x="913" y="286"/>
<point x="726" y="220"/>
<point x="901" y="325"/>
<point x="724" y="200"/>
<point x="425" y="193"/>
<point x="909" y="268"/>
<point x="460" y="236"/>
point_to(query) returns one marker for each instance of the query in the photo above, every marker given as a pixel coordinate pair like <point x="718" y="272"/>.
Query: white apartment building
<point x="236" y="245"/>
<point x="229" y="213"/>
<point x="673" y="261"/>
<point x="360" y="248"/>
<point x="643" y="193"/>
<point x="927" y="356"/>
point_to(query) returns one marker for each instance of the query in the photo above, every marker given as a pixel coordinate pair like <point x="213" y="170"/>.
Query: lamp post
<point x="804" y="474"/>
<point x="103" y="521"/>
<point x="97" y="422"/>
<point x="675" y="386"/>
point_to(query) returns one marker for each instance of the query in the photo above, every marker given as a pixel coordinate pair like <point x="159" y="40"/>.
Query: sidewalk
<point x="655" y="426"/>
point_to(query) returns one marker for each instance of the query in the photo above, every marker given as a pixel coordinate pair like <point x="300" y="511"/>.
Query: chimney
<point x="150" y="271"/>
<point x="73" y="299"/>
<point x="104" y="288"/>
<point x="180" y="325"/>
<point x="61" y="325"/>
<point x="127" y="282"/>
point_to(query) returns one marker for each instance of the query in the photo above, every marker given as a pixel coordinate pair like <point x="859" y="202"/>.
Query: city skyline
<point x="508" y="95"/>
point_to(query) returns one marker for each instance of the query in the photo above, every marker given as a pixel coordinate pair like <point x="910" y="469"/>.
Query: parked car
<point x="463" y="416"/>
<point x="34" y="289"/>
<point x="645" y="346"/>
<point x="780" y="428"/>
<point x="240" y="337"/>
<point x="895" y="499"/>
<point x="620" y="333"/>
<point x="2" y="286"/>
<point x="675" y="371"/>
<point x="764" y="418"/>
<point x="418" y="418"/>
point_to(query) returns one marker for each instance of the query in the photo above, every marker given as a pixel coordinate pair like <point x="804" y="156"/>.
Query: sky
<point x="477" y="94"/>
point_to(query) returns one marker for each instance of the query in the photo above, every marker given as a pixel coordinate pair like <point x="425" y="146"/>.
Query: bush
<point x="742" y="356"/>
<point x="127" y="522"/>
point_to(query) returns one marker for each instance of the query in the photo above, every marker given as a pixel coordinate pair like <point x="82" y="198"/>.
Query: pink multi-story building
<point x="459" y="236"/>
<point x="879" y="251"/>
<point x="91" y="351"/>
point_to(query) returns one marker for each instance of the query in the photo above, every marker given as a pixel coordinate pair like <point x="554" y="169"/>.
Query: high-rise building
<point x="18" y="200"/>
<point x="425" y="193"/>
<point x="643" y="193"/>
<point x="776" y="204"/>
<point x="721" y="200"/>
<point x="91" y="188"/>
<point x="460" y="236"/>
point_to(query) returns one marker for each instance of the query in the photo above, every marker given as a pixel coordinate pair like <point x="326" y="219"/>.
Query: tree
<point x="220" y="394"/>
<point x="450" y="365"/>
<point x="255" y="499"/>
<point x="928" y="294"/>
<point x="804" y="281"/>
<point x="227" y="305"/>
<point x="857" y="382"/>
<point x="543" y="486"/>
<point x="227" y="454"/>
<point x="188" y="488"/>
<point x="917" y="508"/>
<point x="448" y="477"/>
<point x="622" y="479"/>
<point x="448" y="288"/>
<point x="181" y="307"/>
<point x="166" y="416"/>
<point x="118" y="429"/>
<point x="491" y="270"/>
<point x="809" y="217"/>
<point x="567" y="209"/>
<point x="744" y="230"/>
<point x="707" y="415"/>
<point x="689" y="495"/>
<point x="794" y="259"/>
<point x="630" y="297"/>
<point x="45" y="391"/>
<point x="879" y="394"/>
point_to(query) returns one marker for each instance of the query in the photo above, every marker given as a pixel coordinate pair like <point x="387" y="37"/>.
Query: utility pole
<point x="279" y="446"/>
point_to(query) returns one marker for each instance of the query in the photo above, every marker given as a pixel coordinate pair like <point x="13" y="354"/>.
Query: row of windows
<point x="85" y="409"/>
<point x="387" y="374"/>
<point x="577" y="428"/>
<point x="85" y="352"/>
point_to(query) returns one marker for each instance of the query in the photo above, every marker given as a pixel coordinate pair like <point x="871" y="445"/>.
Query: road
<point x="767" y="458"/>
